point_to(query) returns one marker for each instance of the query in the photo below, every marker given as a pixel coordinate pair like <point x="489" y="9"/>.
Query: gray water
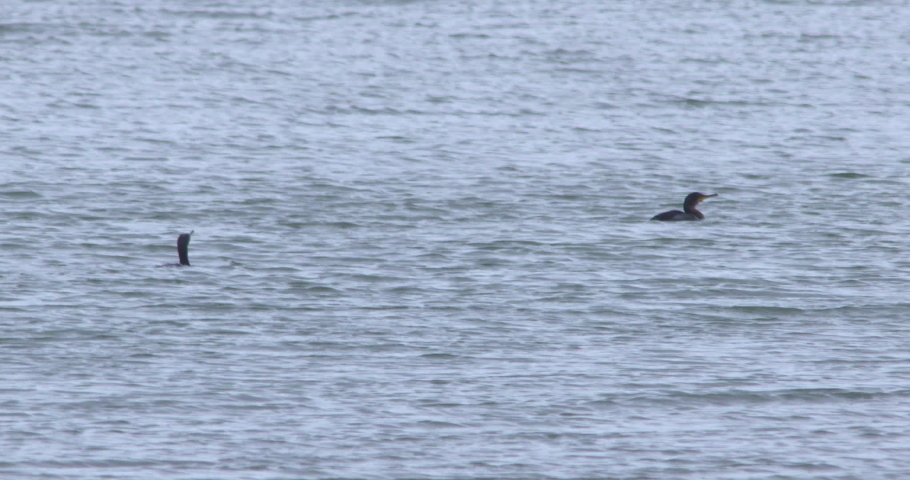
<point x="422" y="246"/>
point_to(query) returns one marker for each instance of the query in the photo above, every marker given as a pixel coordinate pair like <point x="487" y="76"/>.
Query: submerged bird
<point x="690" y="212"/>
<point x="183" y="245"/>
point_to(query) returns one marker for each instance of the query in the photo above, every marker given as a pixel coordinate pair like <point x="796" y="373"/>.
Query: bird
<point x="183" y="244"/>
<point x="690" y="210"/>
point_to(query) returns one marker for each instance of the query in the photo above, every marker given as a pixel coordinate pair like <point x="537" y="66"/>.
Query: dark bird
<point x="690" y="210"/>
<point x="183" y="245"/>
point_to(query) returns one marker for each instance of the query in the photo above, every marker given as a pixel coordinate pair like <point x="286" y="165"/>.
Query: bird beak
<point x="707" y="196"/>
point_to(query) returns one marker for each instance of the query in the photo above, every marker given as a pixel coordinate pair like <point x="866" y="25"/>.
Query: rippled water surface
<point x="422" y="246"/>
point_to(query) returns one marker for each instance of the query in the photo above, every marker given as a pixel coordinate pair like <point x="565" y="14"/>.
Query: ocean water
<point x="422" y="243"/>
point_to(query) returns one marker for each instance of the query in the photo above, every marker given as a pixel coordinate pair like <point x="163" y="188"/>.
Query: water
<point x="422" y="246"/>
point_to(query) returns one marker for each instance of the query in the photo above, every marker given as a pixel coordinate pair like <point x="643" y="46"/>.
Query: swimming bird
<point x="690" y="212"/>
<point x="183" y="245"/>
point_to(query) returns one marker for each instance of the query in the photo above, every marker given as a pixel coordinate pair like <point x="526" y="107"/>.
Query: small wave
<point x="21" y="195"/>
<point x="439" y="424"/>
<point x="468" y="35"/>
<point x="439" y="356"/>
<point x="849" y="175"/>
<point x="735" y="397"/>
<point x="218" y="14"/>
<point x="759" y="309"/>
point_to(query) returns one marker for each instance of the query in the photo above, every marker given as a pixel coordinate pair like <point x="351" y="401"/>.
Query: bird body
<point x="678" y="215"/>
<point x="689" y="211"/>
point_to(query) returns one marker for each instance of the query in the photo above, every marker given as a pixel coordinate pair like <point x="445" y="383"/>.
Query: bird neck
<point x="183" y="246"/>
<point x="693" y="210"/>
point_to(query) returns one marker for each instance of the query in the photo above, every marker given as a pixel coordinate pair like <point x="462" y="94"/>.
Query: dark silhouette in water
<point x="183" y="245"/>
<point x="690" y="212"/>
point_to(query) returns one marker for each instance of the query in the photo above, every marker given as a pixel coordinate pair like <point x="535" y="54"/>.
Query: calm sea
<point x="422" y="246"/>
